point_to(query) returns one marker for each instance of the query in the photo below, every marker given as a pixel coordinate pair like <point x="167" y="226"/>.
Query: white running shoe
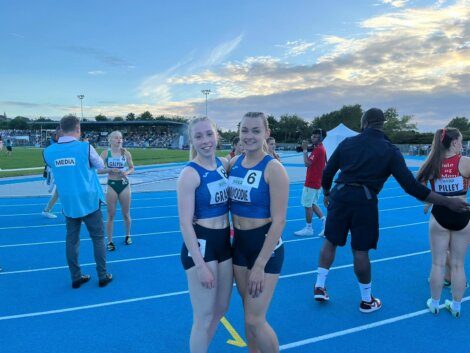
<point x="305" y="232"/>
<point x="322" y="233"/>
<point x="433" y="309"/>
<point x="48" y="214"/>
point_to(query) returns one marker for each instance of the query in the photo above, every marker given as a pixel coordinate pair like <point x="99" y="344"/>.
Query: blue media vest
<point x="77" y="183"/>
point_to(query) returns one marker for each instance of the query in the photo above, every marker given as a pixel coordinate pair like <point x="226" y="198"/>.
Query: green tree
<point x="292" y="128"/>
<point x="274" y="127"/>
<point x="19" y="123"/>
<point x="393" y="123"/>
<point x="118" y="118"/>
<point x="130" y="117"/>
<point x="41" y="119"/>
<point x="101" y="117"/>
<point x="349" y="115"/>
<point x="146" y="116"/>
<point x="460" y="123"/>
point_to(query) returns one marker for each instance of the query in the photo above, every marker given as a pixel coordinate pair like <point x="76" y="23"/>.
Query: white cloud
<point x="220" y="52"/>
<point x="395" y="3"/>
<point x="298" y="47"/>
<point x="97" y="72"/>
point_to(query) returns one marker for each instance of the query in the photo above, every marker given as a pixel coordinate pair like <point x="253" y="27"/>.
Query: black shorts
<point x="9" y="148"/>
<point x="350" y="211"/>
<point x="213" y="243"/>
<point x="247" y="245"/>
<point x="449" y="219"/>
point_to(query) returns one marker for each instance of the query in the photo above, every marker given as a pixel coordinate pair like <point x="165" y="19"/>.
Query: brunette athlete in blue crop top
<point x="259" y="191"/>
<point x="206" y="254"/>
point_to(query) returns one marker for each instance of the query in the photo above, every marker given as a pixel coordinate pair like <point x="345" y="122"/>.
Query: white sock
<point x="308" y="225"/>
<point x="456" y="305"/>
<point x="366" y="288"/>
<point x="435" y="302"/>
<point x="321" y="277"/>
<point x="323" y="219"/>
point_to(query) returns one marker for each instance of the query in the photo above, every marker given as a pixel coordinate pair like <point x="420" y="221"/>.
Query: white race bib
<point x="202" y="247"/>
<point x="449" y="184"/>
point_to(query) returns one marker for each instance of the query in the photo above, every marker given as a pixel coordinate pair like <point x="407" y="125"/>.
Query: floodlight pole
<point x="206" y="93"/>
<point x="81" y="96"/>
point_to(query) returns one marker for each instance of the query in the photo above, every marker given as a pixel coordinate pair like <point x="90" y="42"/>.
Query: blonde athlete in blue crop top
<point x="118" y="162"/>
<point x="259" y="191"/>
<point x="206" y="254"/>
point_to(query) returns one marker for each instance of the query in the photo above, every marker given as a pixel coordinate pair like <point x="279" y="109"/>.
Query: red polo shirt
<point x="315" y="171"/>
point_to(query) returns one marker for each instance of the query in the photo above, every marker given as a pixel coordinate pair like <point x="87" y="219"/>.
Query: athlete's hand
<point x="427" y="206"/>
<point x="457" y="204"/>
<point x="256" y="281"/>
<point x="326" y="201"/>
<point x="304" y="145"/>
<point x="205" y="276"/>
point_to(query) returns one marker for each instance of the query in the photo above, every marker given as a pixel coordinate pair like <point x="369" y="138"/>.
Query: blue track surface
<point x="147" y="309"/>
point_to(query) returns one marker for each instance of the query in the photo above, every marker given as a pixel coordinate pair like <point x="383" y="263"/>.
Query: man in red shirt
<point x="315" y="164"/>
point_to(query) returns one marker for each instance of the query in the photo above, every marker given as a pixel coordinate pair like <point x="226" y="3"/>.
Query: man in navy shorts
<point x="366" y="161"/>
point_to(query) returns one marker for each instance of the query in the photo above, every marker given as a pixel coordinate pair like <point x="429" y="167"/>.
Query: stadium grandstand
<point x="144" y="134"/>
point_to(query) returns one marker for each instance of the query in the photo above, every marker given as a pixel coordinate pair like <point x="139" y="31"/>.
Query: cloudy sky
<point x="305" y="57"/>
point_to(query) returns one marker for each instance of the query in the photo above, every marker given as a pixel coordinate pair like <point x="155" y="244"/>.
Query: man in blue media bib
<point x="74" y="165"/>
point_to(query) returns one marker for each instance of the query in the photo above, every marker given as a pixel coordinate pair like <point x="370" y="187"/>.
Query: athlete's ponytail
<point x="431" y="168"/>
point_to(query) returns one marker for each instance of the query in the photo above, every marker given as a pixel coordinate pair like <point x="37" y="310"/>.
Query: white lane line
<point x="176" y="231"/>
<point x="352" y="265"/>
<point x="133" y="200"/>
<point x="177" y="254"/>
<point x="84" y="239"/>
<point x="63" y="224"/>
<point x="159" y="296"/>
<point x="90" y="264"/>
<point x="93" y="306"/>
<point x="359" y="328"/>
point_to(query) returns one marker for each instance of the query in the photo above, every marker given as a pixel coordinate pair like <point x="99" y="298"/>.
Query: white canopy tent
<point x="335" y="136"/>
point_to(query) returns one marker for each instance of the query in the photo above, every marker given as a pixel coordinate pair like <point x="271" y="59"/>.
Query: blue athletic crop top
<point x="248" y="191"/>
<point x="211" y="199"/>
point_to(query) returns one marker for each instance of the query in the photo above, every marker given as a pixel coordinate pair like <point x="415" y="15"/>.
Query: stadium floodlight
<point x="81" y="96"/>
<point x="206" y="93"/>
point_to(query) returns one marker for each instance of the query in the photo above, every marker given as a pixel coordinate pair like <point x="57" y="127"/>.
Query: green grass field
<point x="32" y="158"/>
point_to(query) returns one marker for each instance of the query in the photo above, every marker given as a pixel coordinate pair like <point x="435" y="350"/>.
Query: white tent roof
<point x="335" y="136"/>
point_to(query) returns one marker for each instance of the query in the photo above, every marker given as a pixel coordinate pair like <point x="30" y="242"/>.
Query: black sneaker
<point x="320" y="294"/>
<point x="111" y="246"/>
<point x="103" y="282"/>
<point x="128" y="240"/>
<point x="368" y="307"/>
<point x="82" y="280"/>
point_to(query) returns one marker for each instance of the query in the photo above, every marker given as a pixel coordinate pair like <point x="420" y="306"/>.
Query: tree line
<point x="291" y="128"/>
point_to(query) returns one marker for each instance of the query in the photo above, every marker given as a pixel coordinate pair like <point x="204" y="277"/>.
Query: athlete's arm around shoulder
<point x="232" y="162"/>
<point x="225" y="162"/>
<point x="464" y="166"/>
<point x="186" y="186"/>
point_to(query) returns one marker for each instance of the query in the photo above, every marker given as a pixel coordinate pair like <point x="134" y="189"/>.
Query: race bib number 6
<point x="252" y="178"/>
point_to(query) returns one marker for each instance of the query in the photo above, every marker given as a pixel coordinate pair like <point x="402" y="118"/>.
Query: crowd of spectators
<point x="147" y="138"/>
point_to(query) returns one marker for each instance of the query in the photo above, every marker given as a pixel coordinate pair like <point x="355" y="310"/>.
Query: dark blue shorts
<point x="247" y="245"/>
<point x="213" y="243"/>
<point x="350" y="211"/>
